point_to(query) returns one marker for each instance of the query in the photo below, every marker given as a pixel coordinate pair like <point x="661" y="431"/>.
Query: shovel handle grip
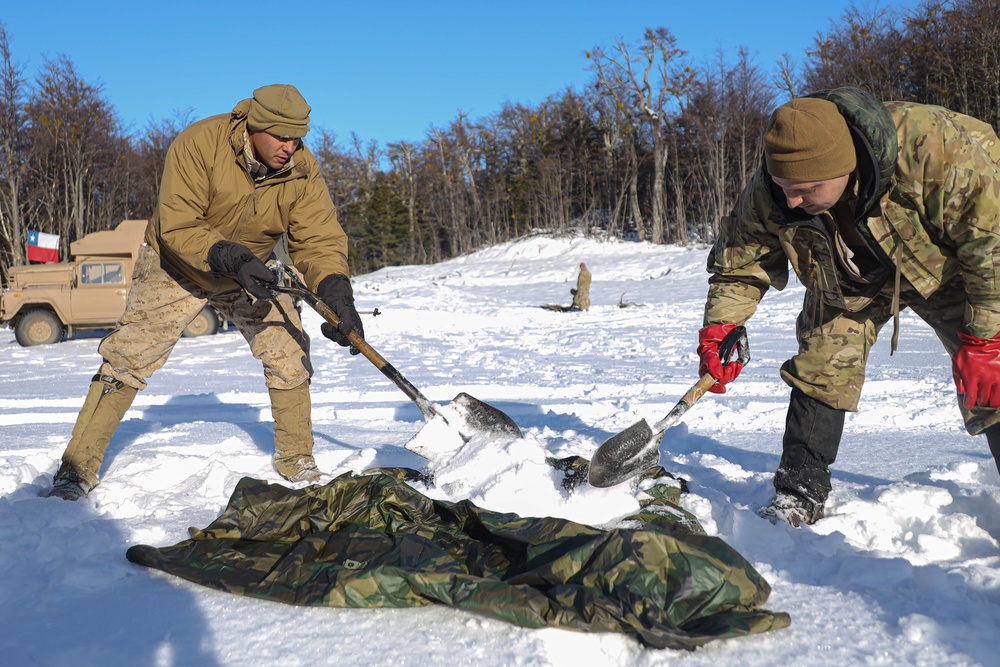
<point x="697" y="390"/>
<point x="353" y="338"/>
<point x="426" y="407"/>
<point x="735" y="340"/>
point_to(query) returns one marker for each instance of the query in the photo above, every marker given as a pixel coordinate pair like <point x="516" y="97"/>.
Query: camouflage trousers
<point x="834" y="345"/>
<point x="160" y="306"/>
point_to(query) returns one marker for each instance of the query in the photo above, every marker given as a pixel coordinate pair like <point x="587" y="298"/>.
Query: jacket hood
<point x="238" y="125"/>
<point x="874" y="134"/>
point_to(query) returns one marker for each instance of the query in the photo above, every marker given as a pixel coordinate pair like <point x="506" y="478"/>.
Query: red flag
<point x="43" y="247"/>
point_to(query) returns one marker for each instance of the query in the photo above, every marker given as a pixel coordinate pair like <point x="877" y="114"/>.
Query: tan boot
<point x="107" y="401"/>
<point x="293" y="438"/>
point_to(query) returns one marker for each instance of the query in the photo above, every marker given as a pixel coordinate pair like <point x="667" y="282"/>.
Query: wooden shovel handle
<point x="427" y="408"/>
<point x="353" y="338"/>
<point x="734" y="340"/>
<point x="698" y="390"/>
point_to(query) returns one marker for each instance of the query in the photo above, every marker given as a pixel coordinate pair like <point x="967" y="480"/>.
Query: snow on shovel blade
<point x="468" y="415"/>
<point x="484" y="417"/>
<point x="623" y="454"/>
<point x="465" y="420"/>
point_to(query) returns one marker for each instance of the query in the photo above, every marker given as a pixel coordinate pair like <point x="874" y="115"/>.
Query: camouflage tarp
<point x="373" y="541"/>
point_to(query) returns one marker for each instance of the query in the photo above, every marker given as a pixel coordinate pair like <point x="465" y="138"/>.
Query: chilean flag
<point x="43" y="247"/>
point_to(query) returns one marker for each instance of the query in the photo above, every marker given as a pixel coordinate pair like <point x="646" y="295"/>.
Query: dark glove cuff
<point x="228" y="257"/>
<point x="337" y="288"/>
<point x="215" y="259"/>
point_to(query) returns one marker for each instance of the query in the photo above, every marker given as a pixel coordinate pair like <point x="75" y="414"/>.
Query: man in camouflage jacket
<point x="877" y="207"/>
<point x="233" y="185"/>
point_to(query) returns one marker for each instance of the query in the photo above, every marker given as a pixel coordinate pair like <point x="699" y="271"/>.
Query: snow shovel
<point x="476" y="416"/>
<point x="637" y="448"/>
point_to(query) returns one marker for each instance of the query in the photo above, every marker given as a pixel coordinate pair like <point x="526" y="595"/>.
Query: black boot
<point x="993" y="437"/>
<point x="802" y="481"/>
<point x="69" y="484"/>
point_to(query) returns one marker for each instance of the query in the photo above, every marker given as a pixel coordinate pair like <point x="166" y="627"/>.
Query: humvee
<point x="46" y="303"/>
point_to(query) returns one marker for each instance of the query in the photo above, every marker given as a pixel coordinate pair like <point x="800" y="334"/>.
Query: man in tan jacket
<point x="232" y="186"/>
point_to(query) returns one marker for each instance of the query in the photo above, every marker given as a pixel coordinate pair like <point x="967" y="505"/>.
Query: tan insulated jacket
<point x="208" y="195"/>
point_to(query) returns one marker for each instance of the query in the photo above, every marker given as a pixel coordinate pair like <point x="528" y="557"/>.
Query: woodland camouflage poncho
<point x="373" y="541"/>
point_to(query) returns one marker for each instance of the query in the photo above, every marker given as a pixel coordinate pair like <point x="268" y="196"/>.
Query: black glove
<point x="252" y="274"/>
<point x="335" y="291"/>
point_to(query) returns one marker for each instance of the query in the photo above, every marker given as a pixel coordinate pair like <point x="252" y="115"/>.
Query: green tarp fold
<point x="372" y="540"/>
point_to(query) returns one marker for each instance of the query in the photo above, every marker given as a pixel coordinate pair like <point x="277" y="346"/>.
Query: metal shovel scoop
<point x="637" y="448"/>
<point x="475" y="416"/>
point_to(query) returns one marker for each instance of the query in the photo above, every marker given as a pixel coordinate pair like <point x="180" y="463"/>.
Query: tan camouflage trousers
<point x="161" y="305"/>
<point x="834" y="345"/>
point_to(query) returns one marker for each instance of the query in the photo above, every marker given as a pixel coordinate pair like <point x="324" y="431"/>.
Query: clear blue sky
<point x="386" y="70"/>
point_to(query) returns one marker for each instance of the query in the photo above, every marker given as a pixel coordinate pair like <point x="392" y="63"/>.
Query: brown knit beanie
<point x="280" y="110"/>
<point x="808" y="140"/>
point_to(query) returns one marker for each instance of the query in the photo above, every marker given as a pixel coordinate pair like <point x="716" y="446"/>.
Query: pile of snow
<point x="905" y="570"/>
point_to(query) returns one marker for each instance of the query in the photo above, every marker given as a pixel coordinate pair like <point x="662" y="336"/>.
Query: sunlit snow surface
<point x="905" y="569"/>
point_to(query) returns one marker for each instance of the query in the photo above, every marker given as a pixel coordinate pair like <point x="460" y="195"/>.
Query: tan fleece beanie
<point x="280" y="110"/>
<point x="808" y="140"/>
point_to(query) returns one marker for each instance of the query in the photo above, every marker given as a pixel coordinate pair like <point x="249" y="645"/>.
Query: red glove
<point x="708" y="349"/>
<point x="976" y="369"/>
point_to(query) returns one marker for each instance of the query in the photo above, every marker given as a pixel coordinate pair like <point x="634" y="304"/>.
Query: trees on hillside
<point x="659" y="147"/>
<point x="641" y="81"/>
<point x="14" y="156"/>
<point x="75" y="143"/>
<point x="67" y="166"/>
<point x="955" y="56"/>
<point x="655" y="147"/>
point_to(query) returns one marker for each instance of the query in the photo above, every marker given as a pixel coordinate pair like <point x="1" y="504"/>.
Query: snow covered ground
<point x="905" y="570"/>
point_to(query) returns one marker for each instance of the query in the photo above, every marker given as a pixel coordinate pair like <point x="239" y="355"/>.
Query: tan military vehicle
<point x="46" y="303"/>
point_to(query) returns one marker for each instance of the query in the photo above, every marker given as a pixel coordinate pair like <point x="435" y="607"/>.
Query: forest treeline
<point x="656" y="147"/>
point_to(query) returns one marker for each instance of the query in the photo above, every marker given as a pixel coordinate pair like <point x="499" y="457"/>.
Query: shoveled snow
<point x="905" y="570"/>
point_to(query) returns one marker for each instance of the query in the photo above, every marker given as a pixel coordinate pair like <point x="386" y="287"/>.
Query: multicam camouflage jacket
<point x="928" y="188"/>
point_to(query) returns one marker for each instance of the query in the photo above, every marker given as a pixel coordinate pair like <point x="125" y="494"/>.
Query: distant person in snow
<point x="581" y="294"/>
<point x="232" y="185"/>
<point x="877" y="207"/>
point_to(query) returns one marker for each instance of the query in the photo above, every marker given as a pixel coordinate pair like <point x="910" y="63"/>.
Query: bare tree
<point x="750" y="101"/>
<point x="14" y="151"/>
<point x="787" y="80"/>
<point x="468" y="154"/>
<point x="74" y="132"/>
<point x="147" y="169"/>
<point x="620" y="167"/>
<point x="866" y="50"/>
<point x="709" y="122"/>
<point x="725" y="119"/>
<point x="982" y="34"/>
<point x="402" y="158"/>
<point x="452" y="202"/>
<point x="955" y="56"/>
<point x="644" y="84"/>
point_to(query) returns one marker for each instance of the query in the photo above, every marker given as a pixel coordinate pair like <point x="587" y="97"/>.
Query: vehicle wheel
<point x="205" y="324"/>
<point x="39" y="327"/>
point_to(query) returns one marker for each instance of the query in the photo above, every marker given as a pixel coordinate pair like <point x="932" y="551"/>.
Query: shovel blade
<point x="482" y="417"/>
<point x="624" y="455"/>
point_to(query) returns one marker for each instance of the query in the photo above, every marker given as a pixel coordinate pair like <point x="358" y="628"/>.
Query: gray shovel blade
<point x="484" y="418"/>
<point x="624" y="455"/>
